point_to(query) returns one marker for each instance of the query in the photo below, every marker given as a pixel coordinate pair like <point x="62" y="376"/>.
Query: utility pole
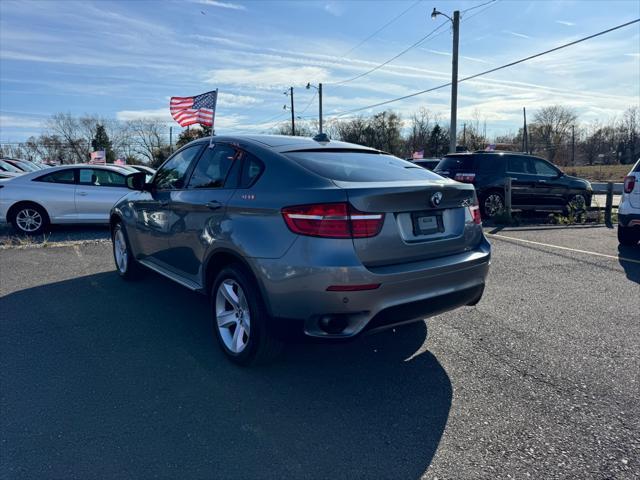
<point x="454" y="81"/>
<point x="293" y="122"/>
<point x="464" y="135"/>
<point x="319" y="90"/>
<point x="573" y="144"/>
<point x="525" y="137"/>
<point x="320" y="106"/>
<point x="170" y="139"/>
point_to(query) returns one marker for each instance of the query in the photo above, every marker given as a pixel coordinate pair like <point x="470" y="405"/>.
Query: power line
<point x="488" y="6"/>
<point x="340" y="114"/>
<point x="381" y="28"/>
<point x="433" y="33"/>
<point x="478" y="6"/>
<point x="310" y="102"/>
<point x="421" y="40"/>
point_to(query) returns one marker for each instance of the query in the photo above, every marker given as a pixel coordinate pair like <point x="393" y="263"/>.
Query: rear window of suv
<point x="357" y="166"/>
<point x="482" y="163"/>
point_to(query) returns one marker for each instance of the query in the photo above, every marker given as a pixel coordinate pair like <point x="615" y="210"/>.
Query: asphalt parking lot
<point x="105" y="379"/>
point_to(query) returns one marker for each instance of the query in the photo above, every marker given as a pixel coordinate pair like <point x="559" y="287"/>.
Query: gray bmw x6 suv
<point x="300" y="235"/>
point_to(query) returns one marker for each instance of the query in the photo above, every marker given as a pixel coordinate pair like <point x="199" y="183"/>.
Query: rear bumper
<point x="629" y="220"/>
<point x="407" y="292"/>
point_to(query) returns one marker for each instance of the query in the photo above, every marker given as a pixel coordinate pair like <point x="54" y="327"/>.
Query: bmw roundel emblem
<point x="436" y="198"/>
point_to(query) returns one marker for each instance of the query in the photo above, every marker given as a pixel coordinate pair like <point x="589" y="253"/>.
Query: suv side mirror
<point x="136" y="181"/>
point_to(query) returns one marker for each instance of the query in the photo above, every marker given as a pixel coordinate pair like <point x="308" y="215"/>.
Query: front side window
<point x="172" y="175"/>
<point x="61" y="176"/>
<point x="213" y="166"/>
<point x="101" y="178"/>
<point x="543" y="168"/>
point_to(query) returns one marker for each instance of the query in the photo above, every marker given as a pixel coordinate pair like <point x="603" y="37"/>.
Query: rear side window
<point x="61" y="176"/>
<point x="636" y="169"/>
<point x="251" y="170"/>
<point x="213" y="166"/>
<point x="357" y="166"/>
<point x="524" y="165"/>
<point x="457" y="163"/>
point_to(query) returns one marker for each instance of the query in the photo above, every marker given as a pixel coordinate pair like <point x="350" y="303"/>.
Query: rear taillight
<point x="332" y="220"/>
<point x="465" y="177"/>
<point x="629" y="183"/>
<point x="475" y="214"/>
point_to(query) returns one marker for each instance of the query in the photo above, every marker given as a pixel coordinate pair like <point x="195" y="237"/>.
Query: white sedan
<point x="61" y="195"/>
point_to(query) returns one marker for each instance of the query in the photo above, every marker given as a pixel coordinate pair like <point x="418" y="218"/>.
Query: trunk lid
<point x="423" y="220"/>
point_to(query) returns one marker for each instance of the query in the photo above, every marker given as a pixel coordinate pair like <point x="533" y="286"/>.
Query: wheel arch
<point x="12" y="210"/>
<point x="223" y="257"/>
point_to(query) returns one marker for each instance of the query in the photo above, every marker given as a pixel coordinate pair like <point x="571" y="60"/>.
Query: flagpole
<point x="213" y="120"/>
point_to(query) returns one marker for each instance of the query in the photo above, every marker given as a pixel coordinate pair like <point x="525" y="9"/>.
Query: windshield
<point x="7" y="167"/>
<point x="355" y="166"/>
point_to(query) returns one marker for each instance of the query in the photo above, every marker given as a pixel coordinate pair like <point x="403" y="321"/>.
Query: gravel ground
<point x="101" y="378"/>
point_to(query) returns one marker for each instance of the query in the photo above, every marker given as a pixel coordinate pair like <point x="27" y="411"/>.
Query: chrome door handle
<point x="213" y="205"/>
<point x="83" y="194"/>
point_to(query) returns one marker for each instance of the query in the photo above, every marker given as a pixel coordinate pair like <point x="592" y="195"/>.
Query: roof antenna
<point x="322" y="138"/>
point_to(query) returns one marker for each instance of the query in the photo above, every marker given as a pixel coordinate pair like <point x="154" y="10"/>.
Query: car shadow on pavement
<point x="631" y="268"/>
<point x="104" y="378"/>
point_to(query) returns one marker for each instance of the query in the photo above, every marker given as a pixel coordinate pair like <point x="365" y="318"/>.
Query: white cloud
<point x="231" y="100"/>
<point x="221" y="40"/>
<point x="516" y="34"/>
<point x="334" y="8"/>
<point x="154" y="114"/>
<point x="564" y="22"/>
<point x="267" y="77"/>
<point x="216" y="3"/>
<point x="10" y="121"/>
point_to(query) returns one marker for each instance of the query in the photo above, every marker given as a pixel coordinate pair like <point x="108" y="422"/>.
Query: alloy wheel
<point x="493" y="205"/>
<point x="120" y="251"/>
<point x="233" y="318"/>
<point x="29" y="220"/>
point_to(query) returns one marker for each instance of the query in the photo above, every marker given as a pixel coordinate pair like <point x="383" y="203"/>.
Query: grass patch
<point x="599" y="173"/>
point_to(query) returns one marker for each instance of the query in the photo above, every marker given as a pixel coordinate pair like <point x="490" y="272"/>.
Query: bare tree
<point x="146" y="138"/>
<point x="552" y="125"/>
<point x="419" y="131"/>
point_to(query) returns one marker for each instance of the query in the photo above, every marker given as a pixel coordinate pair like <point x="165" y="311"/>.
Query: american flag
<point x="98" y="158"/>
<point x="199" y="109"/>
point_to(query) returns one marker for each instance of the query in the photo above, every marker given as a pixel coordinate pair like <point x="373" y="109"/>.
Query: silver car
<point x="291" y="235"/>
<point x="61" y="195"/>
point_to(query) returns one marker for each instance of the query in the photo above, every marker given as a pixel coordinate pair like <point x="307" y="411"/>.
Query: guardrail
<point x="609" y="189"/>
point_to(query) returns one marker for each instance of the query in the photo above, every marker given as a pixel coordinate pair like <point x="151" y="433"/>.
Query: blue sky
<point x="126" y="59"/>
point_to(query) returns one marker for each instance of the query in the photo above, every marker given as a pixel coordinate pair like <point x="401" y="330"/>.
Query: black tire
<point x="128" y="268"/>
<point x="576" y="206"/>
<point x="488" y="200"/>
<point x="262" y="346"/>
<point x="20" y="219"/>
<point x="627" y="236"/>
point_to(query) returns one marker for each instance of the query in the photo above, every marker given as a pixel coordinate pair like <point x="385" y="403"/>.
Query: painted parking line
<point x="587" y="252"/>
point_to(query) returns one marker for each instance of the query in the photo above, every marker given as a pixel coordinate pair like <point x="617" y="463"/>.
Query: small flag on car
<point x="98" y="158"/>
<point x="199" y="109"/>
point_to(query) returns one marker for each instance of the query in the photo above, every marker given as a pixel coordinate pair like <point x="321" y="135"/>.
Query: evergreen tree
<point x="101" y="142"/>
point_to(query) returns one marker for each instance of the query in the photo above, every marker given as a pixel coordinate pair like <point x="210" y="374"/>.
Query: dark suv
<point x="536" y="183"/>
